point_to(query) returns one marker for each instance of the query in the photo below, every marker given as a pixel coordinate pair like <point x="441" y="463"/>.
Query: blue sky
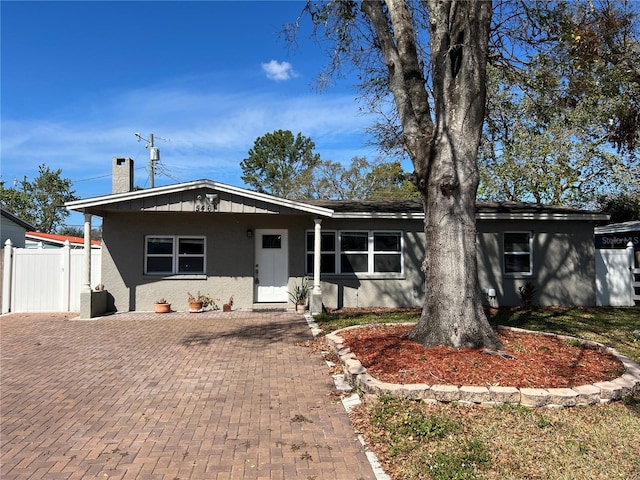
<point x="207" y="78"/>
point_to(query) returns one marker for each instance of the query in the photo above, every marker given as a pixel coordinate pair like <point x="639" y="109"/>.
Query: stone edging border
<point x="601" y="392"/>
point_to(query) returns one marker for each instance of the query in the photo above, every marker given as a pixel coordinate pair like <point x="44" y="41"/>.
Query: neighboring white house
<point x="618" y="264"/>
<point x="14" y="229"/>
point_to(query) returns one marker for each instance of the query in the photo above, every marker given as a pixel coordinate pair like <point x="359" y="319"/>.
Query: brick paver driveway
<point x="176" y="396"/>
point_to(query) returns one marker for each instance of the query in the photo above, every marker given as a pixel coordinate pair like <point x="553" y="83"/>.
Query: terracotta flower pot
<point x="163" y="307"/>
<point x="195" y="306"/>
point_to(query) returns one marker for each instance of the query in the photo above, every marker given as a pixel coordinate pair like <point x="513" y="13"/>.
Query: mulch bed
<point x="539" y="361"/>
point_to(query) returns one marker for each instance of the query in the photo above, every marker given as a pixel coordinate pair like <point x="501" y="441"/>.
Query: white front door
<point x="272" y="266"/>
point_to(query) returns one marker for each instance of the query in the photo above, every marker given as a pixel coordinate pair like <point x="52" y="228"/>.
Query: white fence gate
<point x="615" y="277"/>
<point x="46" y="280"/>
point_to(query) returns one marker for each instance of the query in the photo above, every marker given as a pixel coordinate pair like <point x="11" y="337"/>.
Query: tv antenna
<point x="154" y="155"/>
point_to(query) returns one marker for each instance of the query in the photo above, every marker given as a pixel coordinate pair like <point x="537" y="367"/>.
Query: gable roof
<point x="207" y="195"/>
<point x="14" y="219"/>
<point x="198" y="195"/>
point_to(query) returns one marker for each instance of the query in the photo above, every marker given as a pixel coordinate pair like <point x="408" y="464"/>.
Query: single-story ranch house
<point x="232" y="242"/>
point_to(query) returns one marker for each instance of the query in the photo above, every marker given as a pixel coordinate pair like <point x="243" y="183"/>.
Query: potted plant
<point x="197" y="303"/>
<point x="162" y="306"/>
<point x="299" y="293"/>
<point x="227" y="306"/>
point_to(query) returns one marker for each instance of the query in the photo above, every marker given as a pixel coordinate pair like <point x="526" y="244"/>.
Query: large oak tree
<point x="440" y="108"/>
<point x="422" y="67"/>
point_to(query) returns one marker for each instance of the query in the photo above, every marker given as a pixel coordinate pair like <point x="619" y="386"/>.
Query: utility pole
<point x="151" y="160"/>
<point x="154" y="156"/>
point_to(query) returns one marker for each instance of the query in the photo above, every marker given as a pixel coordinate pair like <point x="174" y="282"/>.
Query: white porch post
<point x="86" y="298"/>
<point x="316" y="297"/>
<point x="86" y="284"/>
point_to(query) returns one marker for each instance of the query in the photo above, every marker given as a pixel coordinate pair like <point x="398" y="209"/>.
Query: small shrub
<point x="300" y="292"/>
<point x="527" y="295"/>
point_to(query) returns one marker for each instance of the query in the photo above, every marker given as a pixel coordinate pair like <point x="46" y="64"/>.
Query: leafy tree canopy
<point x="70" y="231"/>
<point x="563" y="120"/>
<point x="621" y="208"/>
<point x="565" y="79"/>
<point x="40" y="202"/>
<point x="563" y="111"/>
<point x="362" y="180"/>
<point x="276" y="159"/>
<point x="422" y="65"/>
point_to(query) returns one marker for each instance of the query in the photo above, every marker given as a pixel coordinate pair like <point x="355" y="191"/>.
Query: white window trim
<point x="309" y="268"/>
<point x="529" y="253"/>
<point x="369" y="252"/>
<point x="176" y="256"/>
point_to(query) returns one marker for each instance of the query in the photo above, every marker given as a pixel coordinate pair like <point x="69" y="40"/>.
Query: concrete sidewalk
<point x="176" y="396"/>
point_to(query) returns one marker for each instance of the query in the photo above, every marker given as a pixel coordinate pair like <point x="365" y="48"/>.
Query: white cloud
<point x="278" y="71"/>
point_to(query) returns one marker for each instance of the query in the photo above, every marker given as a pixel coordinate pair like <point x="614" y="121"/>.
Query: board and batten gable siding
<point x="200" y="201"/>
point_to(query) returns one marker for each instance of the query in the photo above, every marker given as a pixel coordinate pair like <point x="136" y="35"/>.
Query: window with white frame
<point x="357" y="252"/>
<point x="518" y="253"/>
<point x="174" y="255"/>
<point x="327" y="252"/>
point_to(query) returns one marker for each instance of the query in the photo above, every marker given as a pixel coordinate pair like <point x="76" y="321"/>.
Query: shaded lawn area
<point x="611" y="326"/>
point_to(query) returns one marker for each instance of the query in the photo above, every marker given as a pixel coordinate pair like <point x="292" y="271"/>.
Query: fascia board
<point x="479" y="216"/>
<point x="379" y="215"/>
<point x="543" y="216"/>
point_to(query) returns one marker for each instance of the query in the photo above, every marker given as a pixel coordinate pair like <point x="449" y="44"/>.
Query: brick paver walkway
<point x="176" y="396"/>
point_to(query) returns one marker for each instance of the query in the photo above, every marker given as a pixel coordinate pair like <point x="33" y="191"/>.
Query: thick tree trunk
<point x="452" y="312"/>
<point x="444" y="153"/>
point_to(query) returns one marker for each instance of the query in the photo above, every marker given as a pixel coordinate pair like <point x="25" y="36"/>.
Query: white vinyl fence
<point x="45" y="279"/>
<point x="615" y="277"/>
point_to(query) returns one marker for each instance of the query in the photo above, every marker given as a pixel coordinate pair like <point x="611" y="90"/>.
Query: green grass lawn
<point x="449" y="441"/>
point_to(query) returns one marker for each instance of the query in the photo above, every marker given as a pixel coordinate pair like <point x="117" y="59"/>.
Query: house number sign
<point x="206" y="203"/>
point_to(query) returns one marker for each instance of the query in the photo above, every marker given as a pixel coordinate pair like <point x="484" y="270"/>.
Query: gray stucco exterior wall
<point x="563" y="262"/>
<point x="229" y="256"/>
<point x="391" y="290"/>
<point x="557" y="257"/>
<point x="562" y="255"/>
